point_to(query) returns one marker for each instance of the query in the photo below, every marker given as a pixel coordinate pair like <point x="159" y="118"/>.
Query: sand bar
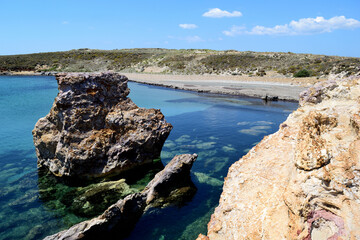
<point x="283" y="88"/>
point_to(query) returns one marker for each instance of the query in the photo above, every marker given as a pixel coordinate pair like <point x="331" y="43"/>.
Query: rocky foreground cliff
<point x="94" y="130"/>
<point x="303" y="182"/>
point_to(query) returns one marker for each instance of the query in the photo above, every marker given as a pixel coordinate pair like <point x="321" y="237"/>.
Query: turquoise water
<point x="219" y="129"/>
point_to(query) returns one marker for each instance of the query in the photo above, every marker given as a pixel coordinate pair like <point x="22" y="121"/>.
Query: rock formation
<point x="303" y="182"/>
<point x="119" y="219"/>
<point x="93" y="129"/>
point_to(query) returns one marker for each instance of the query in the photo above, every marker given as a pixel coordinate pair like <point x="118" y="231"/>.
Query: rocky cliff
<point x="303" y="182"/>
<point x="168" y="186"/>
<point x="93" y="129"/>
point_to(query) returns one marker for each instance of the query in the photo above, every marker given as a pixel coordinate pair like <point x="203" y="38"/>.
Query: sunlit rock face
<point x="93" y="129"/>
<point x="302" y="182"/>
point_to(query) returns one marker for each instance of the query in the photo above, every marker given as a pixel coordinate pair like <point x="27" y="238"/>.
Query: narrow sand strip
<point x="283" y="88"/>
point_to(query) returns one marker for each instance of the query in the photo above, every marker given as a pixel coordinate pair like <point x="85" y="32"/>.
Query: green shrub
<point x="302" y="73"/>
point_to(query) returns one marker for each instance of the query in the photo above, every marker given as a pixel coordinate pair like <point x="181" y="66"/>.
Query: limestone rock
<point x="302" y="182"/>
<point x="93" y="129"/>
<point x="311" y="151"/>
<point x="172" y="183"/>
<point x="119" y="219"/>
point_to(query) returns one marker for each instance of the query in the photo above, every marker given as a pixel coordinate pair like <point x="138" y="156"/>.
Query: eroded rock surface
<point x="119" y="219"/>
<point x="303" y="182"/>
<point x="93" y="129"/>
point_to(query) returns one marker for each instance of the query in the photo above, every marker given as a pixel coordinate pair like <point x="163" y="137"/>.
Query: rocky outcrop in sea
<point x="169" y="186"/>
<point x="302" y="182"/>
<point x="94" y="130"/>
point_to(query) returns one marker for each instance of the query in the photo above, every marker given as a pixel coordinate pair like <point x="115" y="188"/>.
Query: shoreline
<point x="267" y="88"/>
<point x="264" y="88"/>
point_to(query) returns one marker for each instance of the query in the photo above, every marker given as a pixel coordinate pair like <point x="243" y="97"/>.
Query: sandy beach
<point x="281" y="88"/>
<point x="273" y="86"/>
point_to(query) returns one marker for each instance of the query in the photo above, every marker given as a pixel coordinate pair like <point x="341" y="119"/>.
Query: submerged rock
<point x="206" y="179"/>
<point x="303" y="182"/>
<point x="97" y="197"/>
<point x="35" y="232"/>
<point x="93" y="129"/>
<point x="119" y="219"/>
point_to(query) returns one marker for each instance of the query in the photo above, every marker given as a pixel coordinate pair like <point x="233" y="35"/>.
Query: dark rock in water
<point x="119" y="219"/>
<point x="267" y="98"/>
<point x="49" y="73"/>
<point x="94" y="130"/>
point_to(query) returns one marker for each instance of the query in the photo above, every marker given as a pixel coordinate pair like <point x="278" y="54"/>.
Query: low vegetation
<point x="190" y="61"/>
<point x="302" y="73"/>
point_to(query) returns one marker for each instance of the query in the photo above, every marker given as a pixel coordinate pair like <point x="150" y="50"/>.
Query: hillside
<point x="191" y="61"/>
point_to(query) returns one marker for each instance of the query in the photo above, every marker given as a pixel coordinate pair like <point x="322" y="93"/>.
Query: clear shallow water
<point x="219" y="129"/>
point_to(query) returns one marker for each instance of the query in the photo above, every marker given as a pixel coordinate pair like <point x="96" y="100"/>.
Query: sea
<point x="220" y="129"/>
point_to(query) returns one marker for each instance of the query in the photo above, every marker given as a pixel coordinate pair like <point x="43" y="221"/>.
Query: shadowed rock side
<point x="93" y="129"/>
<point x="303" y="181"/>
<point x="173" y="182"/>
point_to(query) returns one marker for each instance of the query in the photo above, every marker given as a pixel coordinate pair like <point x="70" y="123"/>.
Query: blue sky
<point x="330" y="27"/>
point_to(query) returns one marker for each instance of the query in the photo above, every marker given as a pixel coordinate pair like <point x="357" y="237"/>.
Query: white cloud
<point x="304" y="26"/>
<point x="235" y="30"/>
<point x="321" y="25"/>
<point x="189" y="39"/>
<point x="192" y="39"/>
<point x="277" y="30"/>
<point x="65" y="22"/>
<point x="218" y="13"/>
<point x="188" y="26"/>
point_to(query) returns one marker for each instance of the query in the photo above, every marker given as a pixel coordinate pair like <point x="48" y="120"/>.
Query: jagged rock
<point x="302" y="182"/>
<point x="119" y="219"/>
<point x="174" y="181"/>
<point x="93" y="129"/>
